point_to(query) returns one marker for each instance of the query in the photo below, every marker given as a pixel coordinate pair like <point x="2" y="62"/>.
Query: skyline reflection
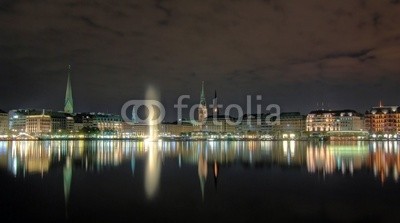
<point x="21" y="158"/>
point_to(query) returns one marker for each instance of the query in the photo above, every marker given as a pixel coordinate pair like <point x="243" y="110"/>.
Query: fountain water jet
<point x="152" y="94"/>
<point x="153" y="162"/>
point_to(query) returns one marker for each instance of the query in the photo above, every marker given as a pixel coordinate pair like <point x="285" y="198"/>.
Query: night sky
<point x="294" y="53"/>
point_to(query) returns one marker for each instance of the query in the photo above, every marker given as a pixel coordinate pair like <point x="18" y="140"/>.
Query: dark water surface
<point x="114" y="181"/>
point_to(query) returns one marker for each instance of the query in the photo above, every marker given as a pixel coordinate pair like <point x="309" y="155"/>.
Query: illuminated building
<point x="322" y="121"/>
<point x="69" y="103"/>
<point x="175" y="129"/>
<point x="60" y="121"/>
<point x="291" y="125"/>
<point x="219" y="124"/>
<point x="3" y="122"/>
<point x="255" y="123"/>
<point x="17" y="120"/>
<point x="202" y="107"/>
<point x="383" y="120"/>
<point x="38" y="124"/>
<point x="136" y="130"/>
<point x="102" y="121"/>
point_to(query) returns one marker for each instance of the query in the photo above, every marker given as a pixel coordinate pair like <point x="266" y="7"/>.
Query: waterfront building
<point x="175" y="129"/>
<point x="383" y="120"/>
<point x="3" y="122"/>
<point x="292" y="125"/>
<point x="220" y="124"/>
<point x="336" y="125"/>
<point x="255" y="123"/>
<point x="17" y="120"/>
<point x="349" y="120"/>
<point x="322" y="121"/>
<point x="60" y="121"/>
<point x="38" y="124"/>
<point x="104" y="122"/>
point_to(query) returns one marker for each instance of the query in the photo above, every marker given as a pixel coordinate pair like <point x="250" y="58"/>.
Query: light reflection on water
<point x="37" y="157"/>
<point x="150" y="162"/>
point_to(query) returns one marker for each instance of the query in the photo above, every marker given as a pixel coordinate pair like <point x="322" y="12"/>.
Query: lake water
<point x="121" y="181"/>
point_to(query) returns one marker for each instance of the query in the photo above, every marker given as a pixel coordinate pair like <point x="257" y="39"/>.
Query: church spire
<point x="69" y="103"/>
<point x="215" y="104"/>
<point x="202" y="106"/>
<point x="202" y="96"/>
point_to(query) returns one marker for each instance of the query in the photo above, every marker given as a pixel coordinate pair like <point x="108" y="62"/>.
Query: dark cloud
<point x="295" y="53"/>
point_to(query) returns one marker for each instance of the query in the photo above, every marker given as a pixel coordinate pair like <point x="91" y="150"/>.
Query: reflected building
<point x="385" y="160"/>
<point x="202" y="171"/>
<point x="215" y="172"/>
<point x="337" y="157"/>
<point x="21" y="158"/>
<point x="67" y="177"/>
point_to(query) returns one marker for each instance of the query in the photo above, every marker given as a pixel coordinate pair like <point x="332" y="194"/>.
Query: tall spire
<point x="202" y="106"/>
<point x="202" y="96"/>
<point x="69" y="103"/>
<point x="215" y="104"/>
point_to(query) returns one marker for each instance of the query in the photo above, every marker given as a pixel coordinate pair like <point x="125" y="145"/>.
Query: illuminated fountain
<point x="151" y="94"/>
<point x="153" y="160"/>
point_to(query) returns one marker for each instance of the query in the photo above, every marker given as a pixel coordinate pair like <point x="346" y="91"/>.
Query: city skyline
<point x="203" y="110"/>
<point x="199" y="111"/>
<point x="294" y="54"/>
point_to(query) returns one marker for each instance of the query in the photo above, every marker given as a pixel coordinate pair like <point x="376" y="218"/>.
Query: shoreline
<point x="197" y="140"/>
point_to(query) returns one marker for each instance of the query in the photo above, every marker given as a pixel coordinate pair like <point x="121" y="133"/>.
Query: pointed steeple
<point x="202" y="106"/>
<point x="202" y="95"/>
<point x="69" y="103"/>
<point x="215" y="109"/>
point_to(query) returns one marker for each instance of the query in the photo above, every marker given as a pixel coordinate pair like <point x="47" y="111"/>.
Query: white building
<point x="321" y="121"/>
<point x="3" y="122"/>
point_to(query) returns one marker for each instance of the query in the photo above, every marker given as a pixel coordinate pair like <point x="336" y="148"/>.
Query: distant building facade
<point x="59" y="121"/>
<point x="102" y="121"/>
<point x="255" y="123"/>
<point x="3" y="122"/>
<point x="321" y="121"/>
<point x="383" y="119"/>
<point x="38" y="124"/>
<point x="220" y="124"/>
<point x="292" y="125"/>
